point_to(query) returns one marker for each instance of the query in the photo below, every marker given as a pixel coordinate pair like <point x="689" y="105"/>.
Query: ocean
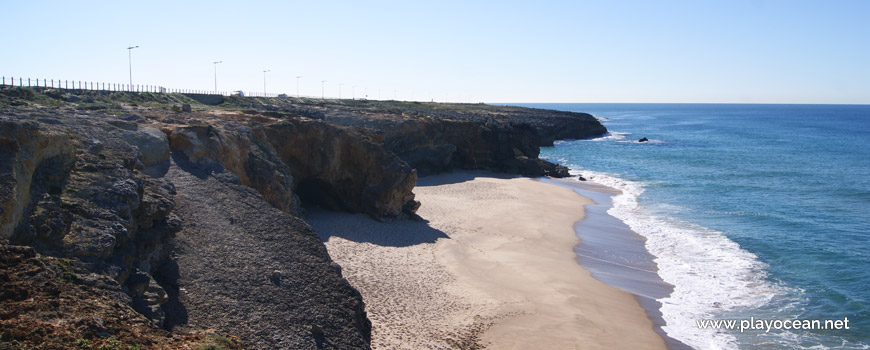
<point x="751" y="212"/>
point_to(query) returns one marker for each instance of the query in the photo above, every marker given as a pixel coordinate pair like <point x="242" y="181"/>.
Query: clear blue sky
<point x="500" y="51"/>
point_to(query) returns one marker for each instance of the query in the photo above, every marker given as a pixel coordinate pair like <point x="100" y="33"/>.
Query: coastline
<point x="616" y="255"/>
<point x="492" y="265"/>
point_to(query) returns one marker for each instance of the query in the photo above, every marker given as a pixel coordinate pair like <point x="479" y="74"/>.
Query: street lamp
<point x="322" y="85"/>
<point x="130" y="59"/>
<point x="297" y="85"/>
<point x="215" y="74"/>
<point x="353" y="94"/>
<point x="264" y="81"/>
<point x="339" y="90"/>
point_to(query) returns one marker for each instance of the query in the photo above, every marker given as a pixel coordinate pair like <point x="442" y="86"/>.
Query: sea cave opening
<point x="316" y="193"/>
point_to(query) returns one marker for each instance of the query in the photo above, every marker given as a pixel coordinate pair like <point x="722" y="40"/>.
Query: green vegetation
<point x="218" y="342"/>
<point x="111" y="344"/>
<point x="67" y="272"/>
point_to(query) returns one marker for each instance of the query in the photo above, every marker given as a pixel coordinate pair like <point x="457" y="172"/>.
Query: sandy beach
<point x="490" y="266"/>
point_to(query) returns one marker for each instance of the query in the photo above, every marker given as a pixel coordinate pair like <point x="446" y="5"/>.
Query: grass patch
<point x="219" y="342"/>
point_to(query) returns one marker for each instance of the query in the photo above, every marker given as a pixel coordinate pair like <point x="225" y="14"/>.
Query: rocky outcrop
<point x="80" y="193"/>
<point x="245" y="268"/>
<point x="244" y="151"/>
<point x="342" y="169"/>
<point x="433" y="145"/>
<point x="329" y="165"/>
<point x="24" y="147"/>
<point x="95" y="190"/>
<point x="57" y="303"/>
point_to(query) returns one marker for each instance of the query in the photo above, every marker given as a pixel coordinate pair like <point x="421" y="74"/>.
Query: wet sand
<point x="492" y="264"/>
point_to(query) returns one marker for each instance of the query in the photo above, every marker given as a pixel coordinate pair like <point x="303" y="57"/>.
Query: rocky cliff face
<point x="342" y="169"/>
<point x="283" y="158"/>
<point x="437" y="145"/>
<point x="437" y="137"/>
<point x="23" y="149"/>
<point x="191" y="216"/>
<point x="92" y="188"/>
<point x="83" y="196"/>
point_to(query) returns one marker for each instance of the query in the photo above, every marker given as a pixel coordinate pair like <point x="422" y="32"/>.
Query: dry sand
<point x="492" y="266"/>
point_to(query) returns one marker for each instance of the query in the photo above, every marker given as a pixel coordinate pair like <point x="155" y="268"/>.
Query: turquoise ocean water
<point x="751" y="211"/>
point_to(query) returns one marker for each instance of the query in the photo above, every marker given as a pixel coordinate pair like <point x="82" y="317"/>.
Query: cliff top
<point x="86" y="100"/>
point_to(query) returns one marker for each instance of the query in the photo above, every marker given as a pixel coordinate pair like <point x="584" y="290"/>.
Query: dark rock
<point x="219" y="266"/>
<point x="84" y="198"/>
<point x="185" y="107"/>
<point x="349" y="171"/>
<point x="644" y="139"/>
<point x="498" y="138"/>
<point x="275" y="277"/>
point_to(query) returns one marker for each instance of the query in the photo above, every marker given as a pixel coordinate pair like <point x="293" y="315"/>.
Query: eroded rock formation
<point x="343" y="169"/>
<point x="191" y="216"/>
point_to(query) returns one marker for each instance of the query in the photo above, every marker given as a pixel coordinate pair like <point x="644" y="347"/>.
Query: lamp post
<point x="130" y="60"/>
<point x="264" y="81"/>
<point x="353" y="93"/>
<point x="339" y="90"/>
<point x="297" y="85"/>
<point x="322" y="85"/>
<point x="215" y="74"/>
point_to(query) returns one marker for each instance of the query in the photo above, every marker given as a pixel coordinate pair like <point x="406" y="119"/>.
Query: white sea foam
<point x="710" y="273"/>
<point x="610" y="136"/>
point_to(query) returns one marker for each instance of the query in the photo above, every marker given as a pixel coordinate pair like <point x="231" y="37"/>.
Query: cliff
<point x="191" y="217"/>
<point x="436" y="137"/>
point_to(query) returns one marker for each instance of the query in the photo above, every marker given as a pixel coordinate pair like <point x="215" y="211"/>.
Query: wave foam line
<point x="710" y="273"/>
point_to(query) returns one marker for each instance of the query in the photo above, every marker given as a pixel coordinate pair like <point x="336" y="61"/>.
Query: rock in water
<point x="643" y="140"/>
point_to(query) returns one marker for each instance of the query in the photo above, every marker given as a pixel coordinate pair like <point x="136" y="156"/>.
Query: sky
<point x="698" y="51"/>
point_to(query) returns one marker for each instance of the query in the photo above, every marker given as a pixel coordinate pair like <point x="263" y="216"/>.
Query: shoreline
<point x="493" y="265"/>
<point x="616" y="255"/>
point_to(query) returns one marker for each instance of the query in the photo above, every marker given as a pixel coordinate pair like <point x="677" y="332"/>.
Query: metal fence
<point x="100" y="86"/>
